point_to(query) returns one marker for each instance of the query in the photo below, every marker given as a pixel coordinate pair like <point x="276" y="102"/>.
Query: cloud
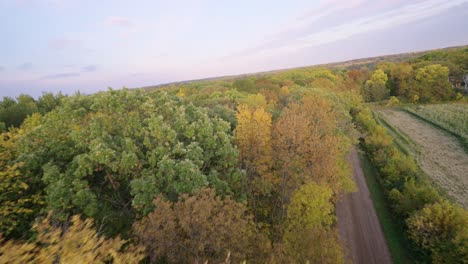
<point x="89" y="68"/>
<point x="159" y="56"/>
<point x="115" y="21"/>
<point x="62" y="43"/>
<point x="54" y="2"/>
<point x="326" y="7"/>
<point x="385" y="20"/>
<point x="61" y="75"/>
<point x="346" y="29"/>
<point x="85" y="69"/>
<point x="317" y="12"/>
<point x="25" y="66"/>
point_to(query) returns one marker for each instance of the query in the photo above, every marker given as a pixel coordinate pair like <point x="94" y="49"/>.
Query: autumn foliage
<point x="435" y="226"/>
<point x="199" y="229"/>
<point x="77" y="243"/>
<point x="217" y="171"/>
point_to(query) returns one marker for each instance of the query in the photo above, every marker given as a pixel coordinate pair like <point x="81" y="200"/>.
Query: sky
<point x="88" y="46"/>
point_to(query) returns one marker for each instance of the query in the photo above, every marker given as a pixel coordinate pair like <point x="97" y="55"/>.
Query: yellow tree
<point x="309" y="234"/>
<point x="253" y="138"/>
<point x="307" y="146"/>
<point x="79" y="243"/>
<point x="375" y="89"/>
<point x="20" y="197"/>
<point x="255" y="101"/>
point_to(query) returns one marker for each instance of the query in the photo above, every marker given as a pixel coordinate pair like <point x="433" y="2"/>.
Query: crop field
<point x="442" y="156"/>
<point x="450" y="117"/>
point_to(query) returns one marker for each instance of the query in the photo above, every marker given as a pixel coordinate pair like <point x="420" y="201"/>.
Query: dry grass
<point x="442" y="156"/>
<point x="450" y="117"/>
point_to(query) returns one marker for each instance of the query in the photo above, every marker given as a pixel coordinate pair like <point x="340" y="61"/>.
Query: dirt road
<point x="442" y="156"/>
<point x="358" y="223"/>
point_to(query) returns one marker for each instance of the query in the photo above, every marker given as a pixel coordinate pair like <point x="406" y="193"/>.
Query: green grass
<point x="392" y="228"/>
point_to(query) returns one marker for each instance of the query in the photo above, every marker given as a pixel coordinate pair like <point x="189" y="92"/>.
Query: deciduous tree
<point x="253" y="138"/>
<point x="375" y="89"/>
<point x="307" y="146"/>
<point x="442" y="230"/>
<point x="79" y="243"/>
<point x="309" y="233"/>
<point x="433" y="83"/>
<point x="21" y="197"/>
<point x="108" y="155"/>
<point x="199" y="229"/>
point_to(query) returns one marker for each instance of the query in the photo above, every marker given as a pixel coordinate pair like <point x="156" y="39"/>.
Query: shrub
<point x="393" y="101"/>
<point x="442" y="229"/>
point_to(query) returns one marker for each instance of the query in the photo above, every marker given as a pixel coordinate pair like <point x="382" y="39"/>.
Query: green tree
<point x="433" y="83"/>
<point x="48" y="102"/>
<point x="12" y="112"/>
<point x="414" y="197"/>
<point x="245" y="85"/>
<point x="108" y="155"/>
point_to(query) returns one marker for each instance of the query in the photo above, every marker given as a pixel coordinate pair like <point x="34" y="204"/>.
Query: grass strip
<point x="404" y="144"/>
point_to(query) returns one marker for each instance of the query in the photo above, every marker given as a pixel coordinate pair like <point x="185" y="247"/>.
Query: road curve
<point x="358" y="224"/>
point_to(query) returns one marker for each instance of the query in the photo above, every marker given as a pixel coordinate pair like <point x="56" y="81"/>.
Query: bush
<point x="441" y="229"/>
<point x="413" y="197"/>
<point x="393" y="101"/>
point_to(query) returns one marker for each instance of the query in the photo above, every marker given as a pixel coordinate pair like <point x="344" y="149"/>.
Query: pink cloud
<point x="61" y="43"/>
<point x="118" y="21"/>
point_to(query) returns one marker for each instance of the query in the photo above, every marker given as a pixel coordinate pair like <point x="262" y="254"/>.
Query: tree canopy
<point x="108" y="155"/>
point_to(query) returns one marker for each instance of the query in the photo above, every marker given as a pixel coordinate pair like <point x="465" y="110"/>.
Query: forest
<point x="243" y="169"/>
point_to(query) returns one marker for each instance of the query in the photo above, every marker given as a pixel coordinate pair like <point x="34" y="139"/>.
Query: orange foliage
<point x="199" y="229"/>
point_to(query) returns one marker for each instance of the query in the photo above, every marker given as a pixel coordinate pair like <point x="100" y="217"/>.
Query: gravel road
<point x="358" y="223"/>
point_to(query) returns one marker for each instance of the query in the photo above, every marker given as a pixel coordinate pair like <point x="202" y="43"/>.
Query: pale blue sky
<point x="68" y="45"/>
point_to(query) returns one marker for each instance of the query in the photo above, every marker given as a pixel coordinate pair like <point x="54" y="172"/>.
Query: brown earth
<point x="358" y="224"/>
<point x="442" y="156"/>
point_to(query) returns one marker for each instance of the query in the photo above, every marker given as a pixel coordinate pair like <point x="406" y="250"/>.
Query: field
<point x="442" y="156"/>
<point x="452" y="118"/>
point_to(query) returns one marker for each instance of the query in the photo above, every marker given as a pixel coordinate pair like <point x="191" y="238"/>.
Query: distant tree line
<point x="435" y="76"/>
<point x="13" y="111"/>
